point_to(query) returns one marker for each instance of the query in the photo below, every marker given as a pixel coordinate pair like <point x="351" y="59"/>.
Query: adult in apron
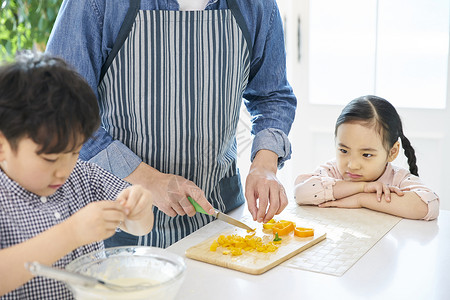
<point x="171" y="90"/>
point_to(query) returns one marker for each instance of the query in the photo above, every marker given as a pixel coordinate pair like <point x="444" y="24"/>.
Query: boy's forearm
<point x="40" y="249"/>
<point x="408" y="206"/>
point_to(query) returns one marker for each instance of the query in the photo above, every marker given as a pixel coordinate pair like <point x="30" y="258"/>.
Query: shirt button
<point x="43" y="199"/>
<point x="57" y="215"/>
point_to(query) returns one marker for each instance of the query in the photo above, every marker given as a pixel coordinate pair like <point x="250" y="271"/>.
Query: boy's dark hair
<point x="378" y="112"/>
<point x="42" y="98"/>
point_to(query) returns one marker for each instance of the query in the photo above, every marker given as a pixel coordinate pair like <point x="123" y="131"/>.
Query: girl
<point x="367" y="137"/>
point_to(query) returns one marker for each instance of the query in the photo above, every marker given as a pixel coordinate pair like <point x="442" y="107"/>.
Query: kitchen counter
<point x="412" y="261"/>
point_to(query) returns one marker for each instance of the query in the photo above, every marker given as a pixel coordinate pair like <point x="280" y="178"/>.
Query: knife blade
<point x="220" y="216"/>
<point x="230" y="220"/>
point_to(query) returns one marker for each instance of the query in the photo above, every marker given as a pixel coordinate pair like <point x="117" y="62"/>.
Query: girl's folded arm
<point x="409" y="206"/>
<point x="313" y="189"/>
<point x="412" y="183"/>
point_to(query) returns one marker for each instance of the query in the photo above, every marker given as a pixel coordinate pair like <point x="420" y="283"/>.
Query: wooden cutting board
<point x="253" y="262"/>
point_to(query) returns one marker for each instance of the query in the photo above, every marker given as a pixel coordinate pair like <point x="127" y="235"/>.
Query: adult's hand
<point x="265" y="195"/>
<point x="170" y="191"/>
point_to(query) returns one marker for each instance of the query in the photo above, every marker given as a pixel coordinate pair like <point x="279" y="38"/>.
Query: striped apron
<point x="171" y="91"/>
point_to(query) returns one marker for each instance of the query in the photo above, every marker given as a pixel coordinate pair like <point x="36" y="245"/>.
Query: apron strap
<point x="123" y="34"/>
<point x="131" y="16"/>
<point x="233" y="6"/>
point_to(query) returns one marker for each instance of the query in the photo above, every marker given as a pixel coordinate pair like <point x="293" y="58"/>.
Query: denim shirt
<point x="85" y="32"/>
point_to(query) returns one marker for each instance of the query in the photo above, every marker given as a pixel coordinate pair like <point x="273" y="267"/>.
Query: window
<point x="396" y="49"/>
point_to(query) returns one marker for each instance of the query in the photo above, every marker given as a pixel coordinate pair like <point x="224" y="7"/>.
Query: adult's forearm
<point x="266" y="158"/>
<point x="272" y="140"/>
<point x="117" y="159"/>
<point x="143" y="175"/>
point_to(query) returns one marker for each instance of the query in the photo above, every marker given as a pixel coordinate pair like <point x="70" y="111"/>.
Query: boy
<point x="51" y="204"/>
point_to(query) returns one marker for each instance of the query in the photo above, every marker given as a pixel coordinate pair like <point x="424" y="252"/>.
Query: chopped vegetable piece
<point x="250" y="234"/>
<point x="269" y="224"/>
<point x="235" y="251"/>
<point x="303" y="232"/>
<point x="213" y="246"/>
<point x="234" y="244"/>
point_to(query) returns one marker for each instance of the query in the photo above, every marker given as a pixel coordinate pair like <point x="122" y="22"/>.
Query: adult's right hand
<point x="170" y="191"/>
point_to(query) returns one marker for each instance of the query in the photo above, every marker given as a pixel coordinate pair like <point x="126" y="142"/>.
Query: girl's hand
<point x="96" y="221"/>
<point x="380" y="189"/>
<point x="137" y="204"/>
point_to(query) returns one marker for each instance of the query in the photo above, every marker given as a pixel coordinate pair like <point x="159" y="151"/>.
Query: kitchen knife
<point x="221" y="216"/>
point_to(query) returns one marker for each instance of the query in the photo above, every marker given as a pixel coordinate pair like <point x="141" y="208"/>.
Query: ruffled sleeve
<point x="317" y="187"/>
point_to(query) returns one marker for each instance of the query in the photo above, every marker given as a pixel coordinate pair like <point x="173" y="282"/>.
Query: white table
<point x="412" y="261"/>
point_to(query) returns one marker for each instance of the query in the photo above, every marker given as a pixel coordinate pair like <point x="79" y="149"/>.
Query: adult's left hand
<point x="265" y="195"/>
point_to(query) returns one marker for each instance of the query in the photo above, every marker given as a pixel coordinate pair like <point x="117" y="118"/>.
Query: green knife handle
<point x="197" y="207"/>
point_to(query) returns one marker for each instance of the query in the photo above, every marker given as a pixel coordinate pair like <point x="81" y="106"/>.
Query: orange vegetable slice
<point x="303" y="232"/>
<point x="283" y="227"/>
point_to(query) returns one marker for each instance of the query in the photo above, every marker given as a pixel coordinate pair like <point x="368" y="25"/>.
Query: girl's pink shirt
<point x="317" y="187"/>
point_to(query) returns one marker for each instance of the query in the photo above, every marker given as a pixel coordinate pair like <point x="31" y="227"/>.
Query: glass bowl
<point x="128" y="266"/>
